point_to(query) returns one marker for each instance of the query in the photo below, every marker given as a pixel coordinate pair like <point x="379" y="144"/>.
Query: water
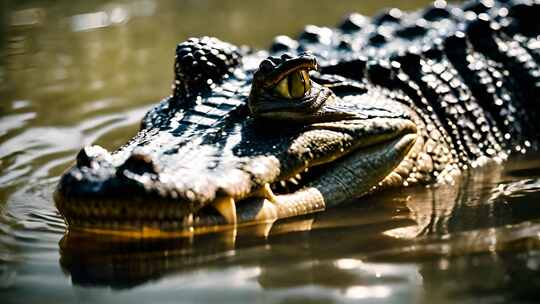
<point x="76" y="74"/>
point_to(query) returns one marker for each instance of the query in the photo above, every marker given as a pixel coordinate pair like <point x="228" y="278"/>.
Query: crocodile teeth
<point x="227" y="208"/>
<point x="283" y="183"/>
<point x="293" y="181"/>
<point x="266" y="192"/>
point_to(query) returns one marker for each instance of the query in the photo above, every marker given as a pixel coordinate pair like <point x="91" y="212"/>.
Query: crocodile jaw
<point x="331" y="180"/>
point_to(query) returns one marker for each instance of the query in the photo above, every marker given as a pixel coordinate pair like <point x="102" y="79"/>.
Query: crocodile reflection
<point x="482" y="214"/>
<point x="127" y="262"/>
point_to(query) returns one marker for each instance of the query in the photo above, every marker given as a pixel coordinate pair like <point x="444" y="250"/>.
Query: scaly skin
<point x="399" y="100"/>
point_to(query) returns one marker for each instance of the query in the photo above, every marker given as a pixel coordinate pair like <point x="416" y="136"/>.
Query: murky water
<point x="76" y="74"/>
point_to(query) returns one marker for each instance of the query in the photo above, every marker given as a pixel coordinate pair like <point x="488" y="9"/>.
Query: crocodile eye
<point x="282" y="89"/>
<point x="294" y="86"/>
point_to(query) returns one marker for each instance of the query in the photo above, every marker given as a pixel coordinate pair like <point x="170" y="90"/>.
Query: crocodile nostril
<point x="91" y="154"/>
<point x="138" y="163"/>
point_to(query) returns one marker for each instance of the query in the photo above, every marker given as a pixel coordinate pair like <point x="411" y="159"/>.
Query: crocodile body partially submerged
<point x="251" y="136"/>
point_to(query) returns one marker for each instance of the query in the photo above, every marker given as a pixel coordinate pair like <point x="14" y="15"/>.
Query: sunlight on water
<point x="78" y="74"/>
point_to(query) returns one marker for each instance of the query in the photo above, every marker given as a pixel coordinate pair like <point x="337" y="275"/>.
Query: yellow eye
<point x="282" y="88"/>
<point x="294" y="86"/>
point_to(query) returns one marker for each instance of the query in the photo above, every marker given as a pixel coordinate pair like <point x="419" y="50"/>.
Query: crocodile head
<point x="243" y="138"/>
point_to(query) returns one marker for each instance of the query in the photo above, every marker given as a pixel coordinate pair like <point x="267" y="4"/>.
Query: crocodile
<point x="250" y="136"/>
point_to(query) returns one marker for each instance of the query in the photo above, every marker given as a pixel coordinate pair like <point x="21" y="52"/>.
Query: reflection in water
<point x="76" y="74"/>
<point x="299" y="270"/>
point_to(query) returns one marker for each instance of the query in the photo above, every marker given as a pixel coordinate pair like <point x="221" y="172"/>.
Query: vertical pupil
<point x="307" y="82"/>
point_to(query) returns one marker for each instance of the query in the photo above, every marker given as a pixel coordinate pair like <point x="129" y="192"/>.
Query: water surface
<point x="77" y="74"/>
